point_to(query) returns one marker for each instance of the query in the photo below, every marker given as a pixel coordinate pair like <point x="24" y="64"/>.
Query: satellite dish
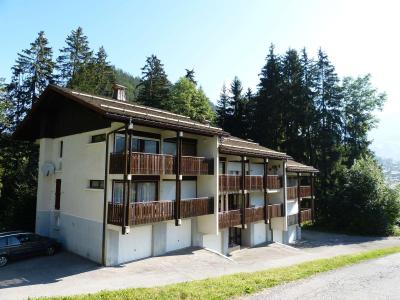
<point x="48" y="168"/>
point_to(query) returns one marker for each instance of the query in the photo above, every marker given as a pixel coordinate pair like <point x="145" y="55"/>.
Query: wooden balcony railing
<point x="160" y="164"/>
<point x="233" y="218"/>
<point x="275" y="210"/>
<point x="230" y="183"/>
<point x="254" y="182"/>
<point x="305" y="191"/>
<point x="158" y="211"/>
<point x="292" y="192"/>
<point x="274" y="182"/>
<point x="254" y="214"/>
<point x="143" y="164"/>
<point x="197" y="207"/>
<point x="306" y="215"/>
<point x="193" y="165"/>
<point x="233" y="183"/>
<point x="229" y="218"/>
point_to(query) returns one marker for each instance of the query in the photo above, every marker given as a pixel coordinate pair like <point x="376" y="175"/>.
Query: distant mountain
<point x="391" y="169"/>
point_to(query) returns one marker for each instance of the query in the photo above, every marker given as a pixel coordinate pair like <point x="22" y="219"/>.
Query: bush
<point x="363" y="202"/>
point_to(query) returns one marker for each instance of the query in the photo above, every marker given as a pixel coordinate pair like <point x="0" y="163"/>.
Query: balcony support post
<point x="125" y="188"/>
<point x="285" y="194"/>
<point x="178" y="178"/>
<point x="266" y="200"/>
<point x="129" y="178"/>
<point x="312" y="199"/>
<point x="298" y="199"/>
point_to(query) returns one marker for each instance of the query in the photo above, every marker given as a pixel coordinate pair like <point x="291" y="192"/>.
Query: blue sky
<point x="221" y="39"/>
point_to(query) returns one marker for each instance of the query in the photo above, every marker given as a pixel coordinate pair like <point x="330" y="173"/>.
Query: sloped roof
<point x="237" y="146"/>
<point x="294" y="166"/>
<point x="122" y="111"/>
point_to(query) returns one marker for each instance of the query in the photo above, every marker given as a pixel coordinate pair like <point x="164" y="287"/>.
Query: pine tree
<point x="74" y="55"/>
<point x="190" y="75"/>
<point x="237" y="105"/>
<point x="31" y="74"/>
<point x="223" y="113"/>
<point x="95" y="77"/>
<point x="154" y="84"/>
<point x="268" y="103"/>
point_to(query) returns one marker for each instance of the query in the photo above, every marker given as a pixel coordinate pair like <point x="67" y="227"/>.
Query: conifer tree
<point x="223" y="110"/>
<point x="237" y="104"/>
<point x="190" y="75"/>
<point x="95" y="77"/>
<point x="268" y="103"/>
<point x="73" y="56"/>
<point x="32" y="72"/>
<point x="154" y="84"/>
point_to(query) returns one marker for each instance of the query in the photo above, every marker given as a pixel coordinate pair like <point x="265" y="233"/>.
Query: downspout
<point x="298" y="200"/>
<point x="103" y="242"/>
<point x="285" y="196"/>
<point x="178" y="179"/>
<point x="312" y="199"/>
<point x="266" y="200"/>
<point x="243" y="179"/>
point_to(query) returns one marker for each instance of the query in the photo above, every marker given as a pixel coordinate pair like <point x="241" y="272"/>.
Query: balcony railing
<point x="158" y="211"/>
<point x="233" y="183"/>
<point x="229" y="218"/>
<point x="193" y="165"/>
<point x="305" y="191"/>
<point x="160" y="164"/>
<point x="233" y="218"/>
<point x="274" y="182"/>
<point x="291" y="192"/>
<point x="306" y="215"/>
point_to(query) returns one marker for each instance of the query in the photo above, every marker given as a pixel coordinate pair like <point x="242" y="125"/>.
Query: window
<point x="141" y="191"/>
<point x="98" y="138"/>
<point x="117" y="192"/>
<point x="61" y="148"/>
<point x="3" y="242"/>
<point x="138" y="144"/>
<point x="119" y="143"/>
<point x="13" y="241"/>
<point x="96" y="184"/>
<point x="189" y="147"/>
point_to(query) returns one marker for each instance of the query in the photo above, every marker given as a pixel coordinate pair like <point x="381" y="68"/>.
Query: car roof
<point x="8" y="233"/>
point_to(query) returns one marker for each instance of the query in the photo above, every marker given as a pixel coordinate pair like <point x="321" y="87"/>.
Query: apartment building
<point x="119" y="182"/>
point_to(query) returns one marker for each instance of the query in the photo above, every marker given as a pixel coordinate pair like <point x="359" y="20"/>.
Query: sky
<point x="222" y="39"/>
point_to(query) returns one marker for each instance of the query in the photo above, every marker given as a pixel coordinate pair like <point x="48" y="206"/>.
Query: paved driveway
<point x="375" y="279"/>
<point x="67" y="274"/>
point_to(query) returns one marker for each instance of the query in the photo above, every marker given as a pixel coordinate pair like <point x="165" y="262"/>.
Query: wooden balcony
<point x="254" y="214"/>
<point x="305" y="191"/>
<point x="233" y="218"/>
<point x="233" y="183"/>
<point x="197" y="207"/>
<point x="229" y="218"/>
<point x="306" y="215"/>
<point x="291" y="192"/>
<point x="274" y="182"/>
<point x="193" y="165"/>
<point x="160" y="164"/>
<point x="158" y="211"/>
<point x="254" y="182"/>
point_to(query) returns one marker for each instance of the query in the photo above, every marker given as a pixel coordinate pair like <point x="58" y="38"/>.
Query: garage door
<point x="179" y="237"/>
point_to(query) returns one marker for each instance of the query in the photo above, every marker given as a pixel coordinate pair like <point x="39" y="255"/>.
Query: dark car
<point x="19" y="244"/>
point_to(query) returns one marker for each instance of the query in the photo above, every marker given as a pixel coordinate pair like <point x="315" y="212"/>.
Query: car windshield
<point x="3" y="242"/>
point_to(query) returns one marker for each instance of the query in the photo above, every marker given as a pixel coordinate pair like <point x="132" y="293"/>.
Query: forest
<point x="300" y="106"/>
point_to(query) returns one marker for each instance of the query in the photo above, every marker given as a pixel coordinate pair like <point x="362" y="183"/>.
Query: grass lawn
<point x="226" y="287"/>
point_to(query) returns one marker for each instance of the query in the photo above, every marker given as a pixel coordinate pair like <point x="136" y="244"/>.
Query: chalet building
<point x="118" y="182"/>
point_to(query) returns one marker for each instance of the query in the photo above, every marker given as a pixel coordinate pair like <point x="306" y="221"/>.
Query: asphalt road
<point x="375" y="279"/>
